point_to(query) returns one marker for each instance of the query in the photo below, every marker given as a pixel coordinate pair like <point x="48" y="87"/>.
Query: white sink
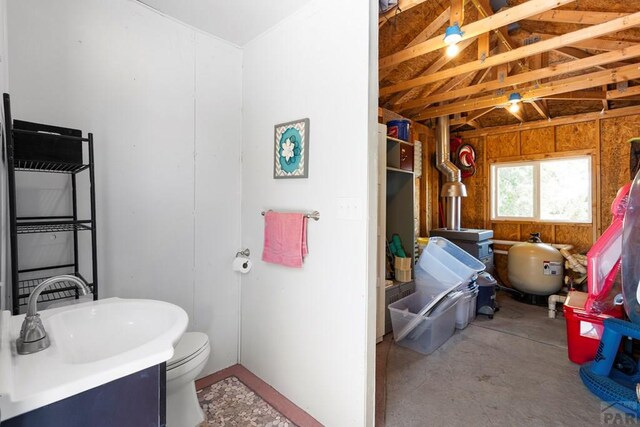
<point x="123" y="326"/>
<point x="91" y="344"/>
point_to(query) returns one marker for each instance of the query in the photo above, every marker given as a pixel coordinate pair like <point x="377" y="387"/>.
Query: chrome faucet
<point x="33" y="337"/>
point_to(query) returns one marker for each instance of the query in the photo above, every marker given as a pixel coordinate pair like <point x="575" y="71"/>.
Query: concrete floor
<point x="509" y="371"/>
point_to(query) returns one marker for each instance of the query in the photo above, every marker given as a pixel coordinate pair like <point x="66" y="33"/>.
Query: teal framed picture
<point x="291" y="154"/>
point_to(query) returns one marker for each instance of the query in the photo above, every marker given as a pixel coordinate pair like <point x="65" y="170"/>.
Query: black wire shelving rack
<point x="39" y="148"/>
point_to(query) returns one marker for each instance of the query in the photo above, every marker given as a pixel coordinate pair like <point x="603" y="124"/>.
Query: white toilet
<point x="189" y="357"/>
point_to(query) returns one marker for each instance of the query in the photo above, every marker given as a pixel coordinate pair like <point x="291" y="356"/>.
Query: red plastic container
<point x="584" y="330"/>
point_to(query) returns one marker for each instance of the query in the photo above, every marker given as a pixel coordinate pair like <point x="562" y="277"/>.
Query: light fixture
<point x="452" y="50"/>
<point x="515" y="99"/>
<point x="453" y="34"/>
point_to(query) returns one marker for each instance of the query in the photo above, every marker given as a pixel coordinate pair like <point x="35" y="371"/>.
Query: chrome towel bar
<point x="315" y="215"/>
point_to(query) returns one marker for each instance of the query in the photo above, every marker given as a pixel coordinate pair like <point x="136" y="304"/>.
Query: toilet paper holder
<point x="245" y="253"/>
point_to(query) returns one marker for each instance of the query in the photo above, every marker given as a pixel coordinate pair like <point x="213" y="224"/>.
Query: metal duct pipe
<point x="453" y="188"/>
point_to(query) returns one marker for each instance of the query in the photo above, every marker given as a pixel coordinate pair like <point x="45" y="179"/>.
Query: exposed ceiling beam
<point x="595" y="44"/>
<point x="605" y="103"/>
<point x="517" y="114"/>
<point x="434" y="26"/>
<point x="621" y="94"/>
<point x="457" y="12"/>
<point x="550" y="71"/>
<point x="541" y="109"/>
<point x="403" y="6"/>
<point x="471" y="118"/>
<point x="572" y="52"/>
<point x="585" y="17"/>
<point x="579" y="95"/>
<point x="451" y="84"/>
<point x="436" y="66"/>
<point x="485" y="10"/>
<point x="474" y="29"/>
<point x="576" y="118"/>
<point x="521" y="52"/>
<point x="531" y="93"/>
<point x="475" y="115"/>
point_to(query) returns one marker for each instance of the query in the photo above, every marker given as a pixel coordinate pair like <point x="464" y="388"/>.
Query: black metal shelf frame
<point x="52" y="226"/>
<point x="21" y="289"/>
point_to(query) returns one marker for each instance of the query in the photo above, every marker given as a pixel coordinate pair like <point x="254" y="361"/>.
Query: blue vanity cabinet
<point x="137" y="400"/>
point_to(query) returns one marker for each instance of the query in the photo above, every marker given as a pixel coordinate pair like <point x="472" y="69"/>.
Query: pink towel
<point x="285" y="238"/>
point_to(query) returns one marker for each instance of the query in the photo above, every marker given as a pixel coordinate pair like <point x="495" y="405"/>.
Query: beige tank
<point x="535" y="267"/>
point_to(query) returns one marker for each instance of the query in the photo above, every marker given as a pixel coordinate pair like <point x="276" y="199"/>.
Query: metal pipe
<point x="443" y="162"/>
<point x="453" y="188"/>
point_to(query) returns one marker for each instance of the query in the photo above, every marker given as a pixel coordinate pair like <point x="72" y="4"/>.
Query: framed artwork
<point x="291" y="153"/>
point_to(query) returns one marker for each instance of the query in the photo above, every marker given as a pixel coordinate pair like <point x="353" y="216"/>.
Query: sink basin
<point x="95" y="332"/>
<point x="92" y="343"/>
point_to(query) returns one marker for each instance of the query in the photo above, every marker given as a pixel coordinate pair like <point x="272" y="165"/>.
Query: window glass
<point x="557" y="190"/>
<point x="515" y="191"/>
<point x="565" y="190"/>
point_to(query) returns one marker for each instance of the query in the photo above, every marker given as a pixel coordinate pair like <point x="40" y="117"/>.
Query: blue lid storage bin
<point x="399" y="129"/>
<point x="443" y="264"/>
<point x="429" y="333"/>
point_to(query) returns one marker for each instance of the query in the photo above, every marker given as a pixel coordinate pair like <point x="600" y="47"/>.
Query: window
<point x="556" y="190"/>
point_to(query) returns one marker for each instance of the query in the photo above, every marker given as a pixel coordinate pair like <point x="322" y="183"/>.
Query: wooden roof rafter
<point x="531" y="93"/>
<point x="403" y="6"/>
<point x="583" y="17"/>
<point x="474" y="29"/>
<point x="425" y="34"/>
<point x="618" y="24"/>
<point x="530" y="76"/>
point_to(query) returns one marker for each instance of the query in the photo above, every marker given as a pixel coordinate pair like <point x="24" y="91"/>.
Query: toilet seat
<point x="190" y="346"/>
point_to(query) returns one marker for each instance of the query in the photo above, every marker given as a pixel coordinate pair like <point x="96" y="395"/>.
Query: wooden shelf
<point x="392" y="169"/>
<point x="400" y="141"/>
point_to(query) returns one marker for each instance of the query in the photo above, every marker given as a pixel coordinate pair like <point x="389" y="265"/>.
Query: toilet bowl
<point x="189" y="357"/>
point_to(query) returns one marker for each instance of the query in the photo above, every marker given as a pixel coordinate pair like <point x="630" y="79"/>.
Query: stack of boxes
<point x="402" y="267"/>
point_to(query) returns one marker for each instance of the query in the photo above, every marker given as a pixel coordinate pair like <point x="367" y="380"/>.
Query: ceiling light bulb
<point x="514" y="108"/>
<point x="452" y="50"/>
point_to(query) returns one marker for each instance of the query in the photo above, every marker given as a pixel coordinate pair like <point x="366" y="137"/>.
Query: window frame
<point x="536" y="162"/>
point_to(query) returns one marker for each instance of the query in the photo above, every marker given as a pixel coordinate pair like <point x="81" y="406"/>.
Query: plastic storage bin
<point x="443" y="264"/>
<point x="399" y="129"/>
<point x="395" y="293"/>
<point x="432" y="331"/>
<point x="466" y="307"/>
<point x="584" y="330"/>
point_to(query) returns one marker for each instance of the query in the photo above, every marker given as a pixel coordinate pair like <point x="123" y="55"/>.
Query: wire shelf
<point x="45" y="166"/>
<point x="57" y="291"/>
<point x="51" y="227"/>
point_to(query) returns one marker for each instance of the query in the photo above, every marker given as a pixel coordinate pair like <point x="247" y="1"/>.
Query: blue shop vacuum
<point x="612" y="381"/>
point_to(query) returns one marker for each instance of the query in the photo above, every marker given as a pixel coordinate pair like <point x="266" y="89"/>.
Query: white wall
<point x="304" y="331"/>
<point x="164" y="104"/>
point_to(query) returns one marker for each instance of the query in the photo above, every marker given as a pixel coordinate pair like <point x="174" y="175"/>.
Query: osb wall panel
<point x="537" y="141"/>
<point x="546" y="232"/>
<point x="501" y="269"/>
<point x="614" y="159"/>
<point x="580" y="237"/>
<point x="506" y="231"/>
<point x="503" y="145"/>
<point x="576" y="136"/>
<point x="473" y="216"/>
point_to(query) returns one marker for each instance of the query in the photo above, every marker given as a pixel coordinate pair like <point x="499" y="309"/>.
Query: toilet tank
<point x="535" y="267"/>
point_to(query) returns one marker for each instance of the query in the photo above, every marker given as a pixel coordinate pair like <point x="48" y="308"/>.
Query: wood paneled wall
<point x="605" y="139"/>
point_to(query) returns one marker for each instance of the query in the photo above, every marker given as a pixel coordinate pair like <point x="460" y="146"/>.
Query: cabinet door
<point x="406" y="157"/>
